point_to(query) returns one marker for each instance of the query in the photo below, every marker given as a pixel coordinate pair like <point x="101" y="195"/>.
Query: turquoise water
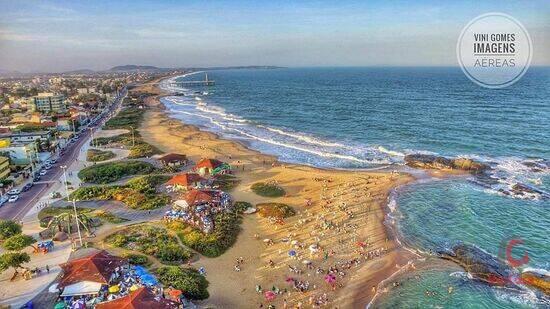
<point x="371" y="117"/>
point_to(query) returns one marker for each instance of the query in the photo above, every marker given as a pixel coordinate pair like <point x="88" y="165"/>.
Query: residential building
<point x="49" y="102"/>
<point x="4" y="167"/>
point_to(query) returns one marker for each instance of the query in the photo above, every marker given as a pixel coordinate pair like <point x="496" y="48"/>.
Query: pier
<point x="205" y="82"/>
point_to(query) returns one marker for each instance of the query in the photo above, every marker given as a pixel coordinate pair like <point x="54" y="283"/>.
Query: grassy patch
<point x="142" y="150"/>
<point x="226" y="230"/>
<point x="267" y="189"/>
<point x="154" y="241"/>
<point x="241" y="206"/>
<point x="96" y="155"/>
<point x="125" y="119"/>
<point x="113" y="171"/>
<point x="103" y="216"/>
<point x="277" y="210"/>
<point x="226" y="182"/>
<point x="139" y="193"/>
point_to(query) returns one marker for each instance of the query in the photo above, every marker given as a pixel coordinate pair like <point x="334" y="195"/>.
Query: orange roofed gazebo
<point x="97" y="267"/>
<point x="140" y="298"/>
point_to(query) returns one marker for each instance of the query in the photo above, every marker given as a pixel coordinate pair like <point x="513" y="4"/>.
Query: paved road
<point x="16" y="211"/>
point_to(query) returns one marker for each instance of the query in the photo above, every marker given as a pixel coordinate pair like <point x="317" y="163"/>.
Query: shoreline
<point x="357" y="291"/>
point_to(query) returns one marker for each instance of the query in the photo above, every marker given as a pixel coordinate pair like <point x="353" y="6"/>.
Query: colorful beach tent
<point x="141" y="298"/>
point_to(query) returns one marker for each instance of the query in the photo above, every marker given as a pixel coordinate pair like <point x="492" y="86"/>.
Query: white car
<point x="14" y="192"/>
<point x="13" y="198"/>
<point x="3" y="199"/>
<point x="43" y="172"/>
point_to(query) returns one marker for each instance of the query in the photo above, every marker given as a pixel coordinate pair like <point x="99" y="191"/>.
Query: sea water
<point x="372" y="117"/>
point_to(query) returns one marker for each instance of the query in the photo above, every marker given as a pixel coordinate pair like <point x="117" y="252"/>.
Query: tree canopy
<point x="18" y="242"/>
<point x="8" y="229"/>
<point x="13" y="259"/>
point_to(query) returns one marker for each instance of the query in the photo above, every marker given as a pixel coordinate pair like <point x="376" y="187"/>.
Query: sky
<point x="56" y="36"/>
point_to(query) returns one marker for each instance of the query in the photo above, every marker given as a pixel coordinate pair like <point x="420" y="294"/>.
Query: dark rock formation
<point x="481" y="265"/>
<point x="491" y="270"/>
<point x="441" y="163"/>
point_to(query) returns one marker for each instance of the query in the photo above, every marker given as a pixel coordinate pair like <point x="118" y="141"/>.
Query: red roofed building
<point x="98" y="267"/>
<point x="140" y="298"/>
<point x="198" y="197"/>
<point x="185" y="181"/>
<point x="206" y="166"/>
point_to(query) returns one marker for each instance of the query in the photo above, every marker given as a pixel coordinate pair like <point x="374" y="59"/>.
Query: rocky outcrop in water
<point x="537" y="280"/>
<point x="480" y="264"/>
<point x="442" y="163"/>
<point x="491" y="270"/>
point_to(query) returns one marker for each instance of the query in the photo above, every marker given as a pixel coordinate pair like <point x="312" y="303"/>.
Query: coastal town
<point x="102" y="207"/>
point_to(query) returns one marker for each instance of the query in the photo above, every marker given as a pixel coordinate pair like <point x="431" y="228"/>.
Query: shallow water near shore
<point x="368" y="117"/>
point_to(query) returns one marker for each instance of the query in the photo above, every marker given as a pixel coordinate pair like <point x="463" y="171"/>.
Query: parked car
<point x="13" y="198"/>
<point x="48" y="166"/>
<point x="14" y="192"/>
<point x="27" y="187"/>
<point x="3" y="199"/>
<point x="53" y="161"/>
<point x="43" y="172"/>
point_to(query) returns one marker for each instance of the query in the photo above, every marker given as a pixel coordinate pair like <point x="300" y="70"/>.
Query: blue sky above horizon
<point x="65" y="35"/>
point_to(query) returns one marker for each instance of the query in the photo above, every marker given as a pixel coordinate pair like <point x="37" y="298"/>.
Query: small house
<point x="185" y="181"/>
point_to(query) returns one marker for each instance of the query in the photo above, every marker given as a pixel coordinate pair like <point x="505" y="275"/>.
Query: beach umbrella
<point x="292" y="253"/>
<point x="306" y="262"/>
<point x="270" y="295"/>
<point x="294" y="242"/>
<point x="114" y="289"/>
<point x="175" y="293"/>
<point x="330" y="278"/>
<point x="313" y="248"/>
<point x="289" y="280"/>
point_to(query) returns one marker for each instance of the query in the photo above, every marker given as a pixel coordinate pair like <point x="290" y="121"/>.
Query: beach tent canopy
<point x="82" y="288"/>
<point x="141" y="298"/>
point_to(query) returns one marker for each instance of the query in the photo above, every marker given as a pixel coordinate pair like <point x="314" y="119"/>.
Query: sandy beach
<point x="343" y="222"/>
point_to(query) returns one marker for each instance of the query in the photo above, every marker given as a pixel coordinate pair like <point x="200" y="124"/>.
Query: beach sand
<point x="351" y="202"/>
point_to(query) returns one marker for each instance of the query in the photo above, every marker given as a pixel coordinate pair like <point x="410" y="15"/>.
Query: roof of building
<point x="173" y="157"/>
<point x="208" y="163"/>
<point x="185" y="179"/>
<point x="140" y="298"/>
<point x="97" y="267"/>
<point x="195" y="197"/>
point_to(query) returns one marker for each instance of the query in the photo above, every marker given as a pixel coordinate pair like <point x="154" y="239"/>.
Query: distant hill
<point x="81" y="71"/>
<point x="132" y="67"/>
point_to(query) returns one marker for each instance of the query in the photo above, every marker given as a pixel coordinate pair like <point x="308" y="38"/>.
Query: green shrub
<point x="113" y="171"/>
<point x="267" y="189"/>
<point x="226" y="182"/>
<point x="226" y="231"/>
<point x="189" y="280"/>
<point x="241" y="206"/>
<point x="9" y="228"/>
<point x="137" y="259"/>
<point x="96" y="155"/>
<point x="277" y="210"/>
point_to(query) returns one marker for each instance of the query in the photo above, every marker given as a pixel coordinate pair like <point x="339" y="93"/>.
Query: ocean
<point x="368" y="118"/>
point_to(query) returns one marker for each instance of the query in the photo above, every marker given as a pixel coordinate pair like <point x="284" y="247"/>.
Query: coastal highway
<point x="17" y="210"/>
